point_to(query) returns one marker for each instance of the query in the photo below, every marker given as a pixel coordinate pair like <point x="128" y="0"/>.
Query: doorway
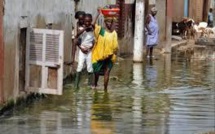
<point x="22" y="57"/>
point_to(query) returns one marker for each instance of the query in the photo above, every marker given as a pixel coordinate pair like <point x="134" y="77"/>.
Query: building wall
<point x="212" y="4"/>
<point x="178" y="8"/>
<point x="1" y="52"/>
<point x="126" y="28"/>
<point x="161" y="16"/>
<point x="197" y="9"/>
<point x="38" y="12"/>
<point x="91" y="7"/>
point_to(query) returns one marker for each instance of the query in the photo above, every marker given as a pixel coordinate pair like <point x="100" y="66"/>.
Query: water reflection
<point x="167" y="68"/>
<point x="101" y="119"/>
<point x="151" y="74"/>
<point x="137" y="100"/>
<point x="164" y="96"/>
<point x="51" y="121"/>
<point x="137" y="74"/>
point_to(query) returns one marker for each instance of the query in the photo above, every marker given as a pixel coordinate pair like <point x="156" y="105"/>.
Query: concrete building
<point x="21" y="14"/>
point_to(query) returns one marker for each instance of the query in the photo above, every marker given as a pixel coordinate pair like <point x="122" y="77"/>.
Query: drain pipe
<point x="139" y="31"/>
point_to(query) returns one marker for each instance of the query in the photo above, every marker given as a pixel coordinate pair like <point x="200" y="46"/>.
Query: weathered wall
<point x="161" y="16"/>
<point x="1" y="52"/>
<point x="38" y="12"/>
<point x="127" y="29"/>
<point x="196" y="10"/>
<point x="90" y="6"/>
<point x="178" y="10"/>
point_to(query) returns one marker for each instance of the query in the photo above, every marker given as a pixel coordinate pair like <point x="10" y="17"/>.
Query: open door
<point x="44" y="61"/>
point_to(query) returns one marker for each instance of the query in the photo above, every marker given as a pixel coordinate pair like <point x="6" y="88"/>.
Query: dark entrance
<point x="22" y="56"/>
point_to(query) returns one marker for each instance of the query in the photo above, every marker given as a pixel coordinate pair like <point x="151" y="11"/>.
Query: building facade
<point x="20" y="15"/>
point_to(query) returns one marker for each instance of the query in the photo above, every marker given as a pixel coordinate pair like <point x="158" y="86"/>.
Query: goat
<point x="185" y="27"/>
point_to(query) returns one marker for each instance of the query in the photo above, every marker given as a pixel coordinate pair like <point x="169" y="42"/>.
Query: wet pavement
<point x="164" y="96"/>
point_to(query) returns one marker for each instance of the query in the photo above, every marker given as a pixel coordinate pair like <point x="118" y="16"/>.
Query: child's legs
<point x="89" y="62"/>
<point x="81" y="60"/>
<point x="106" y="76"/>
<point x="96" y="79"/>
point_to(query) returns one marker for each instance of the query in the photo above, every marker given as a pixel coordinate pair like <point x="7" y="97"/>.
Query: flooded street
<point x="164" y="96"/>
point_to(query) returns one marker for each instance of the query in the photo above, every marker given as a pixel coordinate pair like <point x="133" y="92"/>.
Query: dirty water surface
<point x="163" y="96"/>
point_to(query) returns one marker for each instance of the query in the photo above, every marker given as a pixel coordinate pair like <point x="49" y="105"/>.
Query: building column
<point x="139" y="31"/>
<point x="169" y="14"/>
<point x="1" y="52"/>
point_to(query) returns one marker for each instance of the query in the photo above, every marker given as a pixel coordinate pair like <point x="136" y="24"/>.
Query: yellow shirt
<point x="106" y="44"/>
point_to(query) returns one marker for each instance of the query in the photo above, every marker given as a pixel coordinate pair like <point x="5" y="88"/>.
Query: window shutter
<point x="44" y="61"/>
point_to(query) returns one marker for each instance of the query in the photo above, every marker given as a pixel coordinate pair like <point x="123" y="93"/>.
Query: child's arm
<point x="80" y="32"/>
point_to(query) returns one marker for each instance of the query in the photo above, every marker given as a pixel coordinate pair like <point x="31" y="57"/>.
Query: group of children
<point x="97" y="48"/>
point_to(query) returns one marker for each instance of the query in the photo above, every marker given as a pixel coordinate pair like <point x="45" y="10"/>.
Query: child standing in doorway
<point x="85" y="40"/>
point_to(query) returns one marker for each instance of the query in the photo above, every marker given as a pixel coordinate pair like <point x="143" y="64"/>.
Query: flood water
<point x="164" y="96"/>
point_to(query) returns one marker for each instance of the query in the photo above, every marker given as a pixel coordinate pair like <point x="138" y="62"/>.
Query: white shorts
<point x="82" y="58"/>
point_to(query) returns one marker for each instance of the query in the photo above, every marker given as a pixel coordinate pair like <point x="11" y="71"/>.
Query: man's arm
<point x="148" y="19"/>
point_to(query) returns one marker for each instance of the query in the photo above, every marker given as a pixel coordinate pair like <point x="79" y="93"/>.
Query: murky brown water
<point x="164" y="97"/>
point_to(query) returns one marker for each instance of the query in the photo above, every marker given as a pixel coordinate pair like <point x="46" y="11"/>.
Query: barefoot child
<point x="85" y="41"/>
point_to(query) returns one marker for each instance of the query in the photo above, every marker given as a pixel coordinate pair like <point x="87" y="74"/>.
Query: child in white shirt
<point x="85" y="41"/>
